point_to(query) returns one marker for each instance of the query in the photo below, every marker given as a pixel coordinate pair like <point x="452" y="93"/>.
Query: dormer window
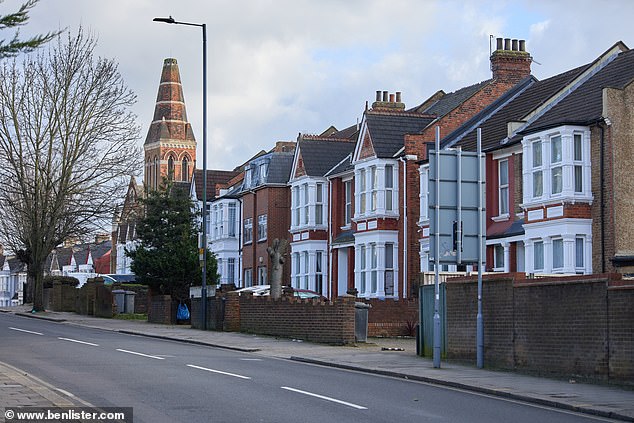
<point x="247" y="176"/>
<point x="264" y="168"/>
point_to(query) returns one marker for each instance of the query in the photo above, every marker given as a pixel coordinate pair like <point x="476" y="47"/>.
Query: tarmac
<point x="394" y="357"/>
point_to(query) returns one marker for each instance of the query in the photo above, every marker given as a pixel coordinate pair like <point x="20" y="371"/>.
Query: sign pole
<point x="436" y="352"/>
<point x="479" y="322"/>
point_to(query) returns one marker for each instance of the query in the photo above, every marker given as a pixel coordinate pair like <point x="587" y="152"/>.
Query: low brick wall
<point x="580" y="326"/>
<point x="161" y="310"/>
<point x="290" y="317"/>
<point x="215" y="313"/>
<point x="141" y="299"/>
<point x="391" y="317"/>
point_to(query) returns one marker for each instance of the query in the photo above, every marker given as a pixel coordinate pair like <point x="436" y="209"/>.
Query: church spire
<point x="170" y="139"/>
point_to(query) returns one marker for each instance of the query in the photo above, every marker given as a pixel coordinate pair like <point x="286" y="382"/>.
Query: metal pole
<point x="436" y="352"/>
<point x="479" y="322"/>
<point x="203" y="307"/>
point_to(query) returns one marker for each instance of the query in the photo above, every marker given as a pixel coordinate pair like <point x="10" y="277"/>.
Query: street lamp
<point x="203" y="306"/>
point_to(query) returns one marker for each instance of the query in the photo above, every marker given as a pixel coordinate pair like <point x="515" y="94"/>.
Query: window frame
<point x="503" y="189"/>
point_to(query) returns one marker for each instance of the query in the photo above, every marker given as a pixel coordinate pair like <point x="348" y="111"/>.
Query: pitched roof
<point x="584" y="105"/>
<point x="213" y="177"/>
<point x="450" y="101"/>
<point x="320" y="155"/>
<point x="279" y="170"/>
<point x="512" y="106"/>
<point x="388" y="129"/>
<point x="16" y="265"/>
<point x="344" y="166"/>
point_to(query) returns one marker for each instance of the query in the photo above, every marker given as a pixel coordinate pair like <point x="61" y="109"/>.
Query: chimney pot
<point x="499" y="44"/>
<point x="522" y="45"/>
<point x="391" y="98"/>
<point x="507" y="44"/>
<point x="514" y="45"/>
<point x="378" y="95"/>
<point x="385" y="96"/>
<point x="398" y="96"/>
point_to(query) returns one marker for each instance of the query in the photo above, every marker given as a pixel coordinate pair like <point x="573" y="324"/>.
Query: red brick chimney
<point x="389" y="102"/>
<point x="510" y="62"/>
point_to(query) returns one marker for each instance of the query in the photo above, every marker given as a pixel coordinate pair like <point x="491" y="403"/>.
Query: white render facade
<point x="223" y="238"/>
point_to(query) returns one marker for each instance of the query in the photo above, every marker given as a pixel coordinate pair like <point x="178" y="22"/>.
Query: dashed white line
<point x="77" y="341"/>
<point x="27" y="331"/>
<point x="349" y="404"/>
<point x="217" y="371"/>
<point x="141" y="354"/>
<point x="251" y="359"/>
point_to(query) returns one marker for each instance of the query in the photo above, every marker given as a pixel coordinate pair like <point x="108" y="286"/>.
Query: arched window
<point x="148" y="173"/>
<point x="170" y="168"/>
<point x="185" y="169"/>
<point x="156" y="172"/>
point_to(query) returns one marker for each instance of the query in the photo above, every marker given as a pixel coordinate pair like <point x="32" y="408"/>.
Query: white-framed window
<point x="262" y="280"/>
<point x="538" y="255"/>
<point x="248" y="277"/>
<point x="248" y="173"/>
<point x="232" y="220"/>
<point x="503" y="188"/>
<point x="296" y="270"/>
<point x="305" y="204"/>
<point x="556" y="171"/>
<point x="579" y="253"/>
<point x="306" y="270"/>
<point x="538" y="173"/>
<point x="498" y="257"/>
<point x="424" y="191"/>
<point x="389" y="187"/>
<point x="319" y="273"/>
<point x="231" y="270"/>
<point x="389" y="269"/>
<point x="373" y="188"/>
<point x="209" y="223"/>
<point x="374" y="263"/>
<point x="248" y="230"/>
<point x="262" y="227"/>
<point x="295" y="205"/>
<point x="264" y="170"/>
<point x="347" y="212"/>
<point x="558" y="253"/>
<point x="578" y="162"/>
<point x="362" y="269"/>
<point x="362" y="191"/>
<point x="319" y="204"/>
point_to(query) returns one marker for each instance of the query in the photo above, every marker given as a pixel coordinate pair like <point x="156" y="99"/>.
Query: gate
<point x="426" y="329"/>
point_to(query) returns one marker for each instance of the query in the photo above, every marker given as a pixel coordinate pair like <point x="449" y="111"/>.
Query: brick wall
<point x="289" y="317"/>
<point x="391" y="317"/>
<point x="621" y="329"/>
<point x="578" y="326"/>
<point x="161" y="310"/>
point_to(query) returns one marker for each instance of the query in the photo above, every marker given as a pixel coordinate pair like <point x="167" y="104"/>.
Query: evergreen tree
<point x="16" y="45"/>
<point x="166" y="258"/>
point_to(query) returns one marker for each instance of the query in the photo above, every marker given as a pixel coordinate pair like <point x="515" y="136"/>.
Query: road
<point x="166" y="381"/>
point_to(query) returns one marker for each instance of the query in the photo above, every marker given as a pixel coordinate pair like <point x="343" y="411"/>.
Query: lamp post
<point x="203" y="299"/>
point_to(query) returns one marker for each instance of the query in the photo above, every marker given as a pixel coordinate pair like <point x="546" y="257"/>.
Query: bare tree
<point x="17" y="19"/>
<point x="276" y="253"/>
<point x="68" y="144"/>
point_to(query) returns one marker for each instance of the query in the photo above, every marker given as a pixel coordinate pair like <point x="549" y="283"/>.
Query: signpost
<point x="456" y="215"/>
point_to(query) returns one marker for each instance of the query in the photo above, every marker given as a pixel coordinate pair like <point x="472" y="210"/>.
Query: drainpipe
<point x="404" y="160"/>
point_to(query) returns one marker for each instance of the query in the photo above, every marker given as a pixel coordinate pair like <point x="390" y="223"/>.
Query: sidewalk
<point x="373" y="357"/>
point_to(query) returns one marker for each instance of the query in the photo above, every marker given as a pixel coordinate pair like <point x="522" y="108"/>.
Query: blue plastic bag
<point x="182" y="313"/>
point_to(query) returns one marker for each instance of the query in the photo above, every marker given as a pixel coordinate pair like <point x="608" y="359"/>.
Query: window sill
<point x="501" y="218"/>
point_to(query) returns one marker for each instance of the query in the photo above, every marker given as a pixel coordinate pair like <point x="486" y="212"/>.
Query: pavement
<point x="394" y="357"/>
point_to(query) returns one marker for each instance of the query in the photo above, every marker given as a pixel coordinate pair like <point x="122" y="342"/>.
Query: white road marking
<point x="78" y="341"/>
<point x="349" y="404"/>
<point x="141" y="354"/>
<point x="27" y="331"/>
<point x="251" y="359"/>
<point x="217" y="371"/>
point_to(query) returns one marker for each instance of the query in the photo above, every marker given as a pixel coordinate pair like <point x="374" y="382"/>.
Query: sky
<point x="278" y="68"/>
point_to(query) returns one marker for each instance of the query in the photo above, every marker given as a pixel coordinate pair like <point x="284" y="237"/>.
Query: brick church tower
<point x="170" y="146"/>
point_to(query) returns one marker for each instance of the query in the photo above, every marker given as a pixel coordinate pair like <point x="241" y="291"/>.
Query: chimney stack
<point x="388" y="102"/>
<point x="510" y="62"/>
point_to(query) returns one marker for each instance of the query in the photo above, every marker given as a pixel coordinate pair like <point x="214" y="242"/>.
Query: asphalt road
<point x="167" y="381"/>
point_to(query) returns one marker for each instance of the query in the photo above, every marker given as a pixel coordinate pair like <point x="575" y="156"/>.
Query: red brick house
<point x="558" y="180"/>
<point x="311" y="217"/>
<point x="265" y="211"/>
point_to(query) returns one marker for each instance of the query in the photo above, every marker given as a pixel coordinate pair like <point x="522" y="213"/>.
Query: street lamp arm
<point x="171" y="20"/>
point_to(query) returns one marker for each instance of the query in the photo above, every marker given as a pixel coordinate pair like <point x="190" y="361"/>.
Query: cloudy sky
<point x="277" y="68"/>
